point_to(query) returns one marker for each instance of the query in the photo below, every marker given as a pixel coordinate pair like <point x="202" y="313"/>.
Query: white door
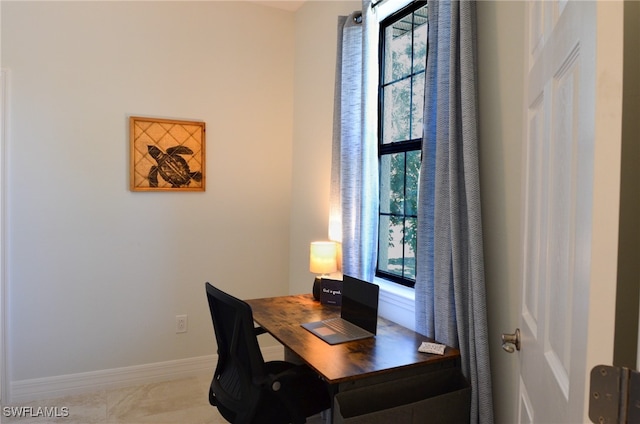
<point x="571" y="166"/>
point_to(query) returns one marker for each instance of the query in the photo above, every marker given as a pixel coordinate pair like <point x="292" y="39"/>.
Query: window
<point x="403" y="57"/>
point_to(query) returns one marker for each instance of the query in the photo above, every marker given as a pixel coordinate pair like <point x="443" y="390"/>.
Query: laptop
<point x="358" y="315"/>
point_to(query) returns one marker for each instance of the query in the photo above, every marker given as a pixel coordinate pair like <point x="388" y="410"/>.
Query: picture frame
<point x="166" y="154"/>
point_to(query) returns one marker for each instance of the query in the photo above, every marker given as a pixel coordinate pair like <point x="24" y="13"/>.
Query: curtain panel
<point x="353" y="217"/>
<point x="450" y="288"/>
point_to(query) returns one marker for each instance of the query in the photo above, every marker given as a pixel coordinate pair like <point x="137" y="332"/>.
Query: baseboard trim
<point x="21" y="391"/>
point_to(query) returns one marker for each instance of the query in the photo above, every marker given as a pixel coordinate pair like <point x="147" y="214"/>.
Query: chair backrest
<point x="240" y="362"/>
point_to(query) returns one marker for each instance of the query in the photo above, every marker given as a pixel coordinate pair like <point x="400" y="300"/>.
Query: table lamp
<point x="322" y="260"/>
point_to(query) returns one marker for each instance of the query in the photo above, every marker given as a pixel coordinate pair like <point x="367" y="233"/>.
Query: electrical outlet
<point x="181" y="323"/>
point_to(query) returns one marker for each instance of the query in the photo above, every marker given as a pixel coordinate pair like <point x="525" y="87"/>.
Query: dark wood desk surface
<point x="394" y="349"/>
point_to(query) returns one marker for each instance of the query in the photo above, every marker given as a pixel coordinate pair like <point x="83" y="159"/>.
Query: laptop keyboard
<point x="344" y="327"/>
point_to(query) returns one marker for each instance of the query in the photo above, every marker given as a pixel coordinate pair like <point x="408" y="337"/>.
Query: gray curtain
<point x="354" y="174"/>
<point x="450" y="289"/>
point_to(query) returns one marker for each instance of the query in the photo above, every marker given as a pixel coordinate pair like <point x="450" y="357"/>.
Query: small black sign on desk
<point x="331" y="292"/>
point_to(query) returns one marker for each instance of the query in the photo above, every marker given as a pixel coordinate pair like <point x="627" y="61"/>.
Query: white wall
<point x="316" y="26"/>
<point x="500" y="91"/>
<point x="96" y="273"/>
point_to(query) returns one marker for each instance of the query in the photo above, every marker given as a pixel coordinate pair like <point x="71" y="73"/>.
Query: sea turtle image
<point x="172" y="167"/>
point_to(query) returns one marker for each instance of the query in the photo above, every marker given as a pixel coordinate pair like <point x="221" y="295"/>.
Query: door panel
<point x="560" y="280"/>
<point x="561" y="201"/>
<point x="526" y="409"/>
<point x="536" y="177"/>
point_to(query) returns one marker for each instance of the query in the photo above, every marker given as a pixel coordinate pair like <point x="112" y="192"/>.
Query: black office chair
<point x="245" y="388"/>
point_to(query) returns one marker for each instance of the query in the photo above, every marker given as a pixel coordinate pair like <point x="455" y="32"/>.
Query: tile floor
<point x="182" y="401"/>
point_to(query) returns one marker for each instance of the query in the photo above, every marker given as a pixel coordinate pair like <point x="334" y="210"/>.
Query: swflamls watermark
<point x="35" y="411"/>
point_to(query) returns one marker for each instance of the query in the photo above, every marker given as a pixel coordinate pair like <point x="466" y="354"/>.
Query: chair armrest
<point x="259" y="330"/>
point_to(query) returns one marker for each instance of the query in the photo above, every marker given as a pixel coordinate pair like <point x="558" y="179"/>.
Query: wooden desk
<point x="392" y="354"/>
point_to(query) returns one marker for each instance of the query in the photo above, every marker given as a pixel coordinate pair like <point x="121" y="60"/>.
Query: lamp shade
<point x="322" y="257"/>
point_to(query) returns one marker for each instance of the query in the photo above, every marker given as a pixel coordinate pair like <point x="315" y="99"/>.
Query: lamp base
<point x="317" y="288"/>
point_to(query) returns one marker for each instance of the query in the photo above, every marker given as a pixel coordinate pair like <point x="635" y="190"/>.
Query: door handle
<point x="511" y="342"/>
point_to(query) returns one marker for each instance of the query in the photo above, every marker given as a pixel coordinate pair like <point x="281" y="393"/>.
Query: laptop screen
<point x="360" y="303"/>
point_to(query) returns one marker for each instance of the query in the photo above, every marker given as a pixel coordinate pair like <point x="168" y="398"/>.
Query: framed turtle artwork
<point x="167" y="155"/>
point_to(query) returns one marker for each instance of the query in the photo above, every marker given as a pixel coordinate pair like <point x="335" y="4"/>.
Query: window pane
<point x="390" y="250"/>
<point x="412" y="176"/>
<point x="410" y="240"/>
<point x="417" y="109"/>
<point x="397" y="110"/>
<point x="397" y="54"/>
<point x="420" y="39"/>
<point x="392" y="184"/>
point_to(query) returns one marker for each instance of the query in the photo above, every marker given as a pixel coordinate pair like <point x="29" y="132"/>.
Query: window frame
<point x="404" y="146"/>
